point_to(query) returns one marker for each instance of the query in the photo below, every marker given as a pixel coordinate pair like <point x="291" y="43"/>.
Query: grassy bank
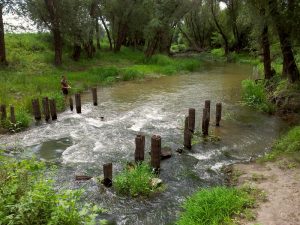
<point x="31" y="74"/>
<point x="287" y="146"/>
<point x="28" y="197"/>
<point x="219" y="205"/>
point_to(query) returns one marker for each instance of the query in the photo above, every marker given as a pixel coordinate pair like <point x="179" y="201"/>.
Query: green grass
<point x="254" y="95"/>
<point x="31" y="74"/>
<point x="28" y="197"/>
<point x="136" y="181"/>
<point x="287" y="145"/>
<point x="215" y="206"/>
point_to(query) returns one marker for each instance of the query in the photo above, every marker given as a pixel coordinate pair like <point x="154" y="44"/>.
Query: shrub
<point x="254" y="95"/>
<point x="214" y="206"/>
<point x="27" y="197"/>
<point x="218" y="52"/>
<point x="135" y="181"/>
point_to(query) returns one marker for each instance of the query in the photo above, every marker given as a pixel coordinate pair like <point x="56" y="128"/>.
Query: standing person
<point x="64" y="86"/>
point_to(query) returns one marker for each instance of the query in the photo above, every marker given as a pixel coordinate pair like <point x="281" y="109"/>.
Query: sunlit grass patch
<point x="214" y="206"/>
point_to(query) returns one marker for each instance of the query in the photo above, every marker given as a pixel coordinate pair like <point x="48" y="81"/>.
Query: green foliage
<point x="218" y="52"/>
<point x="135" y="181"/>
<point x="254" y="95"/>
<point x="288" y="144"/>
<point x="214" y="206"/>
<point x="28" y="197"/>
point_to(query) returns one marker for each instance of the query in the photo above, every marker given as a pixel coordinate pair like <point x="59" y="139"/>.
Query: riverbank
<point x="31" y="74"/>
<point x="280" y="181"/>
<point x="277" y="175"/>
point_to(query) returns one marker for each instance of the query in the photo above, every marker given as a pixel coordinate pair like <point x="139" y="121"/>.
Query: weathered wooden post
<point x="107" y="173"/>
<point x="192" y="114"/>
<point x="53" y="109"/>
<point x="139" y="148"/>
<point x="95" y="98"/>
<point x="3" y="112"/>
<point x="12" y="115"/>
<point x="218" y="114"/>
<point x="155" y="151"/>
<point x="78" y="103"/>
<point x="71" y="103"/>
<point x="187" y="134"/>
<point x="36" y="109"/>
<point x="207" y="106"/>
<point x="46" y="108"/>
<point x="205" y="122"/>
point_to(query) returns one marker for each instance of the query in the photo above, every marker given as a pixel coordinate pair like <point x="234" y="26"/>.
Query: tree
<point x="283" y="14"/>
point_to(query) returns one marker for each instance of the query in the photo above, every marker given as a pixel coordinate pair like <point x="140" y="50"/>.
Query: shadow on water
<point x="83" y="143"/>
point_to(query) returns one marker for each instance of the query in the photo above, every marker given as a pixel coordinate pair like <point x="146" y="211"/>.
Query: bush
<point x="218" y="52"/>
<point x="254" y="95"/>
<point x="135" y="181"/>
<point x="214" y="206"/>
<point x="27" y="197"/>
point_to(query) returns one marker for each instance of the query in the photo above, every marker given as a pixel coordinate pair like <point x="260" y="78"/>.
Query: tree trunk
<point x="97" y="34"/>
<point x="107" y="33"/>
<point x="2" y="41"/>
<point x="55" y="28"/>
<point x="289" y="65"/>
<point x="57" y="46"/>
<point x="266" y="53"/>
<point x="76" y="52"/>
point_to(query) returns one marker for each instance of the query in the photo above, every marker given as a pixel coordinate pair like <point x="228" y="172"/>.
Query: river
<point x="81" y="143"/>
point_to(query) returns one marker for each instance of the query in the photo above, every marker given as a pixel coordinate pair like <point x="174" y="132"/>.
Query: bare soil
<point x="281" y="182"/>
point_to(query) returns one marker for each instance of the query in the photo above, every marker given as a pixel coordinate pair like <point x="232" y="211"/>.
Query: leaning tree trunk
<point x="107" y="33"/>
<point x="2" y="41"/>
<point x="76" y="52"/>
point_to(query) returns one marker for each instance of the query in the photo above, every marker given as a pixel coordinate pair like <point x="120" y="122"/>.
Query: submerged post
<point x="218" y="114"/>
<point x="78" y="103"/>
<point x="205" y="122"/>
<point x="53" y="109"/>
<point x="12" y="115"/>
<point x="3" y="112"/>
<point x="46" y="108"/>
<point x="187" y="134"/>
<point x="139" y="148"/>
<point x="191" y="124"/>
<point x="155" y="151"/>
<point x="95" y="98"/>
<point x="71" y="103"/>
<point x="207" y="106"/>
<point x="36" y="109"/>
<point x="107" y="173"/>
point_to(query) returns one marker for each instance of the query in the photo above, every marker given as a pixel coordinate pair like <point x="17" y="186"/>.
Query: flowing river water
<point x="81" y="143"/>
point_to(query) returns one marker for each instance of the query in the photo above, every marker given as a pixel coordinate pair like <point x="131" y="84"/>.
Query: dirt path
<point x="281" y="182"/>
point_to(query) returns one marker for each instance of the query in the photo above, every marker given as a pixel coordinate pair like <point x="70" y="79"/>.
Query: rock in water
<point x="82" y="177"/>
<point x="166" y="153"/>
